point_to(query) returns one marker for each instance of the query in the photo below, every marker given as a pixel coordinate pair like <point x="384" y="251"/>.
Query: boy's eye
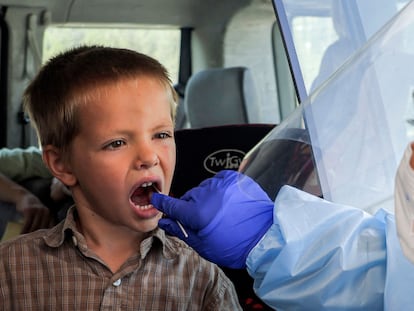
<point x="115" y="144"/>
<point x="163" y="135"/>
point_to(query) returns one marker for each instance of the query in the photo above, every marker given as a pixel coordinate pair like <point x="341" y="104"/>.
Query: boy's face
<point x="125" y="146"/>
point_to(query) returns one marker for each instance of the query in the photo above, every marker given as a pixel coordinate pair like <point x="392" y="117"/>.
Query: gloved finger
<point x="173" y="208"/>
<point x="171" y="227"/>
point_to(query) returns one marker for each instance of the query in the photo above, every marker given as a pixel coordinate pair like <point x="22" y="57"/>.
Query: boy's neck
<point x="114" y="245"/>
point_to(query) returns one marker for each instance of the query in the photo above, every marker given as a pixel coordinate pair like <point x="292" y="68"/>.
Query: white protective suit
<point x="318" y="255"/>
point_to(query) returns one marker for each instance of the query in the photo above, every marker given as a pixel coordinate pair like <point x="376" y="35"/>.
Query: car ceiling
<point x="175" y="12"/>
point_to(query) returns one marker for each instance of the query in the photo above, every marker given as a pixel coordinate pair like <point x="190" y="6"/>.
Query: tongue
<point x="140" y="197"/>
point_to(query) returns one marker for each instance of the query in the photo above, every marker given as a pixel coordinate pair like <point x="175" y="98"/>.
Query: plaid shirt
<point x="55" y="270"/>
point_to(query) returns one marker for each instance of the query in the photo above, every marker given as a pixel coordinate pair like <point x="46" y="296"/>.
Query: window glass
<point x="313" y="35"/>
<point x="326" y="33"/>
<point x="161" y="43"/>
<point x="248" y="43"/>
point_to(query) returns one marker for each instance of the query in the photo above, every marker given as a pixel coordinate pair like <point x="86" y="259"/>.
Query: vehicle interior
<point x="186" y="36"/>
<point x="241" y="69"/>
<point x="219" y="54"/>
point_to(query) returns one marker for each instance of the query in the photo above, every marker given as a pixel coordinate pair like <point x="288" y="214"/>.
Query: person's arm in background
<point x="20" y="164"/>
<point x="16" y="166"/>
<point x="306" y="254"/>
<point x="36" y="215"/>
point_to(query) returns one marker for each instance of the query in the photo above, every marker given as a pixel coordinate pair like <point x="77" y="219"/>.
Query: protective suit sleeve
<point x="320" y="256"/>
<point x="400" y="272"/>
<point x="404" y="204"/>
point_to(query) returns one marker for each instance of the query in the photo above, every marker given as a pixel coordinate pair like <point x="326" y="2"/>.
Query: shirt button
<point x="117" y="283"/>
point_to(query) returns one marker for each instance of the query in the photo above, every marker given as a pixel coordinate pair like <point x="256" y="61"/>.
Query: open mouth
<point x="142" y="194"/>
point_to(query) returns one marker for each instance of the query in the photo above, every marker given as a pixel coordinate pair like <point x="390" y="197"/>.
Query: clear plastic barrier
<point x="326" y="33"/>
<point x="358" y="123"/>
<point x="284" y="157"/>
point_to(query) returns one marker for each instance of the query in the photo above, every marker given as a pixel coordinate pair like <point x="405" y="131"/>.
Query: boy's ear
<point x="56" y="163"/>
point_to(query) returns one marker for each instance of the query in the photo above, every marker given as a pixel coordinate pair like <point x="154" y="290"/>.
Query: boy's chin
<point x="149" y="224"/>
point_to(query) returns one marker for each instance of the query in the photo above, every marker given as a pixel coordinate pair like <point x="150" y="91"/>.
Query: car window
<point x="359" y="117"/>
<point x="325" y="33"/>
<point x="310" y="48"/>
<point x="161" y="43"/>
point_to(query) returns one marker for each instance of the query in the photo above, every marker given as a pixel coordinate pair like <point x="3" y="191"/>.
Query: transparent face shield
<point x="345" y="142"/>
<point x="284" y="157"/>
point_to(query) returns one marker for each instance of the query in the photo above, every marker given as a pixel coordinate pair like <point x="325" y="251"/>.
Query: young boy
<point x="105" y="121"/>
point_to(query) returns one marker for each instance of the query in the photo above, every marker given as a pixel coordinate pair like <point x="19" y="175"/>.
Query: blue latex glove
<point x="225" y="217"/>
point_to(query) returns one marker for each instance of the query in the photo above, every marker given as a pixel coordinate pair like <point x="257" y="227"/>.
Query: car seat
<point x="201" y="153"/>
<point x="221" y="96"/>
<point x="221" y="108"/>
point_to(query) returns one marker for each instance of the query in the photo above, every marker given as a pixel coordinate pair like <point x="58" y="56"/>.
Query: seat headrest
<point x="221" y="96"/>
<point x="203" y="152"/>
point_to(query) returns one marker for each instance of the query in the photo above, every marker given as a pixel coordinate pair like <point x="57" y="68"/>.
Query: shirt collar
<point x="56" y="236"/>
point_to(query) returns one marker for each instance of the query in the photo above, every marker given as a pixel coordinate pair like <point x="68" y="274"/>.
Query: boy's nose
<point x="146" y="156"/>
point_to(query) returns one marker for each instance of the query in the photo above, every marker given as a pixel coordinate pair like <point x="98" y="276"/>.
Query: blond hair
<point x="76" y="76"/>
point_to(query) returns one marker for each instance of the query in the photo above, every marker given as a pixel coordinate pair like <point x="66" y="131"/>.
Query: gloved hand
<point x="225" y="217"/>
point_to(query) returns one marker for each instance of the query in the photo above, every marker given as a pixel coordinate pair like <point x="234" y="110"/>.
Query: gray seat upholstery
<point x="221" y="96"/>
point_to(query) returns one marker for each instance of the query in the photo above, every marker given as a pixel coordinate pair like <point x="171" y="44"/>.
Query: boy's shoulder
<point x="176" y="244"/>
<point x="24" y="245"/>
<point x="174" y="247"/>
<point x="33" y="243"/>
<point x="183" y="253"/>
